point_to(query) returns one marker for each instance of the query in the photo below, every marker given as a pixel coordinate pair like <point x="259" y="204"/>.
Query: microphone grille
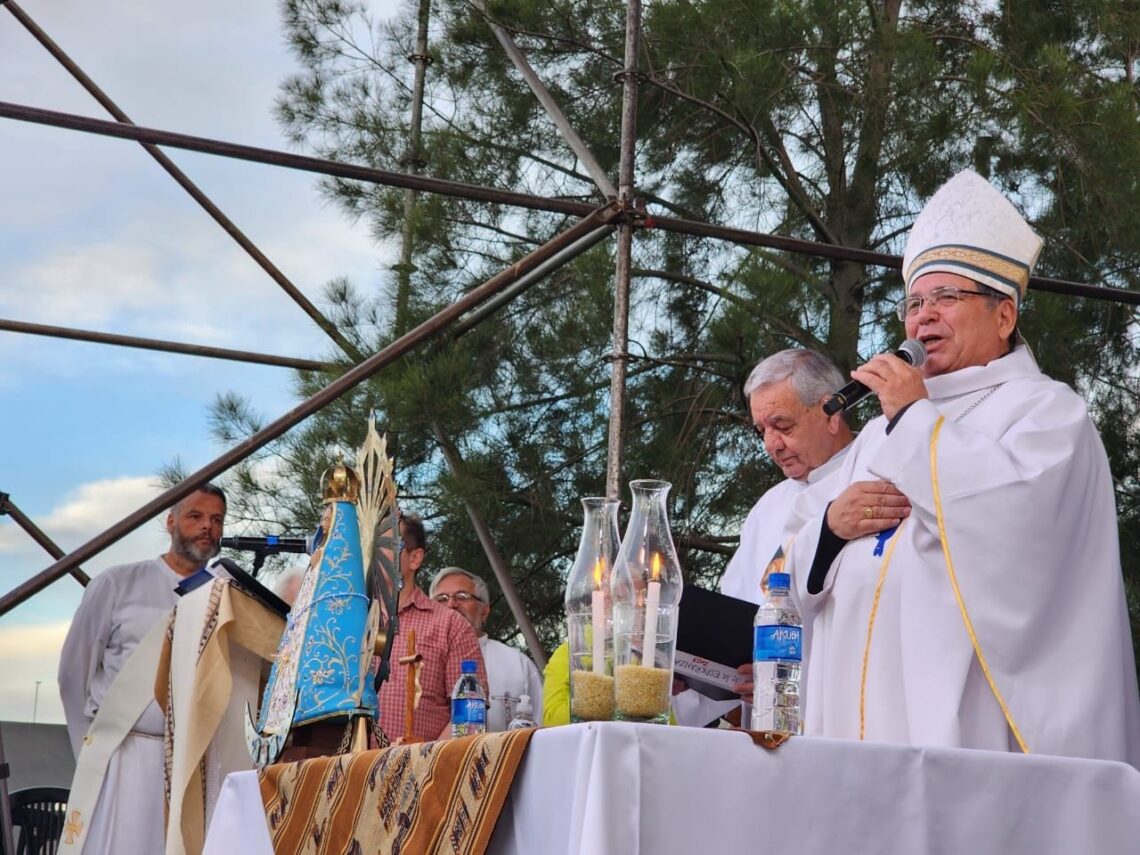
<point x="913" y="351"/>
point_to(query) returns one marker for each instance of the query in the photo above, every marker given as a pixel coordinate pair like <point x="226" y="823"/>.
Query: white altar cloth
<point x="620" y="789"/>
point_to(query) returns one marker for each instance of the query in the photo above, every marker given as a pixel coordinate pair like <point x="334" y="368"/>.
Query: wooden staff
<point x="412" y="660"/>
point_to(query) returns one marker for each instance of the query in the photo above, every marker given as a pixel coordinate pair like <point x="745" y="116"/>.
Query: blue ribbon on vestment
<point x="194" y="580"/>
<point x="881" y="539"/>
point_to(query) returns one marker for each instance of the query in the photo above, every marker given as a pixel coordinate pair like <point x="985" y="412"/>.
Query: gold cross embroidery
<point x="73" y="828"/>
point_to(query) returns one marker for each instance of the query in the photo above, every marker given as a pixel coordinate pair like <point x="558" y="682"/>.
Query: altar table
<point x="619" y="789"/>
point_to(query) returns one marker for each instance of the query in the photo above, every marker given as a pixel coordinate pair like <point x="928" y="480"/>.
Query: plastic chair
<point x="39" y="812"/>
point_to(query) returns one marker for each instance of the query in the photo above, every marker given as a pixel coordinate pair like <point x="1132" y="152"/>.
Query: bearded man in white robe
<point x="961" y="570"/>
<point x="119" y="608"/>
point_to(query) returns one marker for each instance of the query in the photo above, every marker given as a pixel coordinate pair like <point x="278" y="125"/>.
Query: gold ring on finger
<point x="868" y="512"/>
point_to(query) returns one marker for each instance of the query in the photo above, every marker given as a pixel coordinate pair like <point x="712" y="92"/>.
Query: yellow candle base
<point x="591" y="696"/>
<point x="642" y="693"/>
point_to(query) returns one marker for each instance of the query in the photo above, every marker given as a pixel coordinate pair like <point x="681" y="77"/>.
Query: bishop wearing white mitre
<point x="961" y="569"/>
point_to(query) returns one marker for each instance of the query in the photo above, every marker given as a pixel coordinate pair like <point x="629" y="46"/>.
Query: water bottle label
<point x="476" y="711"/>
<point x="468" y="711"/>
<point x="459" y="711"/>
<point x="770" y="643"/>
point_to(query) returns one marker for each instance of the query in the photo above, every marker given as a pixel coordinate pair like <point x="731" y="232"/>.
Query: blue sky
<point x="94" y="235"/>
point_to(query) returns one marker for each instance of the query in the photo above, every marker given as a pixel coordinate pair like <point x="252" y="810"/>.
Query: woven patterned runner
<point x="431" y="797"/>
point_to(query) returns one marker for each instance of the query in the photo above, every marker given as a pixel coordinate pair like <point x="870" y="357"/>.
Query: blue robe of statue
<point x="321" y="660"/>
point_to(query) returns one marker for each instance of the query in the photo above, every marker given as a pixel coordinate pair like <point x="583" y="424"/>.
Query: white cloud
<point x="95" y="505"/>
<point x="31" y="636"/>
<point x="94" y="235"/>
<point x="186" y="281"/>
<point x="82" y="514"/>
<point x="29" y="654"/>
<point x="83" y="286"/>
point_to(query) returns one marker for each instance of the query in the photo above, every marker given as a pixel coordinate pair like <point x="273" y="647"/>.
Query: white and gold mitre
<point x="969" y="228"/>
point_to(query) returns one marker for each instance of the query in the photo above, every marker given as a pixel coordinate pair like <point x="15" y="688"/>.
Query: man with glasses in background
<point x="443" y="640"/>
<point x="510" y="672"/>
<point x="961" y="570"/>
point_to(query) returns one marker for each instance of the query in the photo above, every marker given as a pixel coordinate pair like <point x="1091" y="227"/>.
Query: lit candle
<point x="598" y="612"/>
<point x="652" y="601"/>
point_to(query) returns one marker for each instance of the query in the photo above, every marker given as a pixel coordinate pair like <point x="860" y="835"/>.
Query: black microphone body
<point x="271" y="543"/>
<point x="263" y="547"/>
<point x="911" y="351"/>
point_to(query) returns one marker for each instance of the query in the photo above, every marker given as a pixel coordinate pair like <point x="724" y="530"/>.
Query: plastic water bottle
<point x="524" y="715"/>
<point x="777" y="647"/>
<point x="468" y="702"/>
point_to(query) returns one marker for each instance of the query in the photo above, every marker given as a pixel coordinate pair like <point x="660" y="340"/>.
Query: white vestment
<point x="207" y="678"/>
<point x="1028" y="505"/>
<point x="118" y="608"/>
<point x="508" y="672"/>
<point x="766" y="529"/>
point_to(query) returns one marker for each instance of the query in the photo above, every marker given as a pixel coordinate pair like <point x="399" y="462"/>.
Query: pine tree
<point x="831" y="121"/>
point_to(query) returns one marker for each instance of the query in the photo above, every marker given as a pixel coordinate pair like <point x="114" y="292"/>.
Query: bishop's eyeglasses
<point x="942" y="299"/>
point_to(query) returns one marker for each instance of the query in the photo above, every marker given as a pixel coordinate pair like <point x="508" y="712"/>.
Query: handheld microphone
<point x="911" y="351"/>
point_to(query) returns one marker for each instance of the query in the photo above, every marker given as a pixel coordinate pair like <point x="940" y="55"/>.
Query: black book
<point x="247" y="584"/>
<point x="714" y="636"/>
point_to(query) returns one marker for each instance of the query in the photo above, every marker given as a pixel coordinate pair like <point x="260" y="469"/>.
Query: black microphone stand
<point x="263" y="547"/>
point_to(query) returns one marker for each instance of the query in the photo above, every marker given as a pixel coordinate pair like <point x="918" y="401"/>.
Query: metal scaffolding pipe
<point x="561" y="121"/>
<point x="619" y="357"/>
<point x="747" y="238"/>
<point x="189" y="186"/>
<point x="866" y="256"/>
<point x="534" y="277"/>
<point x="164" y="346"/>
<point x="413" y="165"/>
<point x="494" y="556"/>
<point x="301" y="162"/>
<point x="696" y="228"/>
<point x="8" y="507"/>
<point x="352" y="378"/>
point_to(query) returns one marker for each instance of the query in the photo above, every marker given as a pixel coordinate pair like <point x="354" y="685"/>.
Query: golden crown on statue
<point x="341" y="482"/>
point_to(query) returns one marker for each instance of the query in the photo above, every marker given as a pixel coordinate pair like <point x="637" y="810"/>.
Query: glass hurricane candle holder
<point x="646" y="587"/>
<point x="589" y="613"/>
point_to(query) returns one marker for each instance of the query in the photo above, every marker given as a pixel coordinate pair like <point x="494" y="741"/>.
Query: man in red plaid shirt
<point x="443" y="638"/>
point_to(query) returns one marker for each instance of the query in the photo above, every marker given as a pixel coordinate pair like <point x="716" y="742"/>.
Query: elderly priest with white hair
<point x="961" y="569"/>
<point x="509" y="671"/>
